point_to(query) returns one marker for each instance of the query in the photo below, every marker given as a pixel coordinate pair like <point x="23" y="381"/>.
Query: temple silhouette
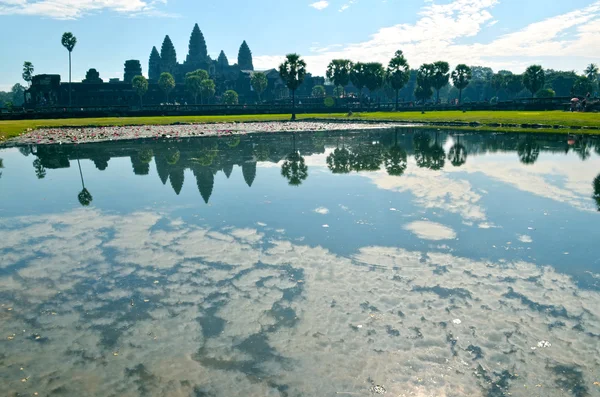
<point x="47" y="90"/>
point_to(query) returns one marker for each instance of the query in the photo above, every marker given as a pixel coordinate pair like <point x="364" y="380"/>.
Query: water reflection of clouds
<point x="142" y="305"/>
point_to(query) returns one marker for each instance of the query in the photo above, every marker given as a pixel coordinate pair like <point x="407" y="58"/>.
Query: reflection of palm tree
<point x="294" y="169"/>
<point x="528" y="151"/>
<point x="395" y="161"/>
<point x="457" y="154"/>
<point x="596" y="196"/>
<point x="1" y="166"/>
<point x="583" y="148"/>
<point x="437" y="155"/>
<point x="367" y="157"/>
<point x="339" y="161"/>
<point x="85" y="197"/>
<point x="40" y="171"/>
<point x="421" y="147"/>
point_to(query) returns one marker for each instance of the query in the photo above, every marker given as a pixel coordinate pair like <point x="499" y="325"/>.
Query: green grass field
<point x="9" y="129"/>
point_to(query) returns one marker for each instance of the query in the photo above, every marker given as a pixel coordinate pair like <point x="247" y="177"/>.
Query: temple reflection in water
<point x="347" y="152"/>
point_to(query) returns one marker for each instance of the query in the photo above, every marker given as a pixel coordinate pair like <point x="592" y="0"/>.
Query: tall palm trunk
<point x="70" y="103"/>
<point x="81" y="174"/>
<point x="293" y="105"/>
<point x="460" y="96"/>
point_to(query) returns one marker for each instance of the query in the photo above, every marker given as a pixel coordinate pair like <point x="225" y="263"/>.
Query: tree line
<point x="396" y="80"/>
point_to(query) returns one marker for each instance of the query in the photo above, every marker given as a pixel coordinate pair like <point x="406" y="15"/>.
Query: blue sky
<point x="503" y="34"/>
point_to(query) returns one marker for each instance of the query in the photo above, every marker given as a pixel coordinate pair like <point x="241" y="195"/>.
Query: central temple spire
<point x="197" y="47"/>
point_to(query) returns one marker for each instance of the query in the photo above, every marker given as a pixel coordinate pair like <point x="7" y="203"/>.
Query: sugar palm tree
<point x="68" y="41"/>
<point x="292" y="72"/>
<point x="461" y="77"/>
<point x="398" y="73"/>
<point x="592" y="71"/>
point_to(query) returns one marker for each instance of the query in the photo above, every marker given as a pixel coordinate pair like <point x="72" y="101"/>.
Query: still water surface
<point x="410" y="263"/>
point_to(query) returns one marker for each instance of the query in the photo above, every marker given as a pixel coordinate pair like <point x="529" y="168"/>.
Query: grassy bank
<point x="487" y="120"/>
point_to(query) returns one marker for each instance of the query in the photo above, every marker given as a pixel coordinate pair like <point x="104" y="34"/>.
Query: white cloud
<point x="562" y="41"/>
<point x="73" y="9"/>
<point x="320" y="5"/>
<point x="347" y="5"/>
<point x="427" y="230"/>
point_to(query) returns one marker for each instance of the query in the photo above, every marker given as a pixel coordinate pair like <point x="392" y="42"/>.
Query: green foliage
<point x="85" y="197"/>
<point x="591" y="72"/>
<point x="197" y="51"/>
<point x="329" y="102"/>
<point x="166" y="82"/>
<point x="68" y="41"/>
<point x="207" y="88"/>
<point x="293" y="71"/>
<point x="338" y="91"/>
<point x="425" y="76"/>
<point x="596" y="186"/>
<point x="582" y="86"/>
<point x="339" y="71"/>
<point x="230" y="97"/>
<point x="374" y="76"/>
<point x="294" y="169"/>
<point x="145" y="156"/>
<point x="259" y="83"/>
<point x="245" y="57"/>
<point x="461" y="77"/>
<point x="193" y="84"/>
<point x="546" y="93"/>
<point x="202" y="74"/>
<point x="534" y="78"/>
<point x="398" y="71"/>
<point x="441" y="76"/>
<point x="357" y="76"/>
<point x="561" y="82"/>
<point x="168" y="55"/>
<point x="17" y="95"/>
<point x="140" y="86"/>
<point x="514" y="84"/>
<point x="28" y="72"/>
<point x="395" y="161"/>
<point x="318" y="91"/>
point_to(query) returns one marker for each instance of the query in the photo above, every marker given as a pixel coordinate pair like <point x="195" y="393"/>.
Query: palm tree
<point x="398" y="73"/>
<point x="85" y="197"/>
<point x="461" y="77"/>
<point x="534" y="79"/>
<point x="528" y="151"/>
<point x="28" y="72"/>
<point x="592" y="71"/>
<point x="140" y="86"/>
<point x="441" y="75"/>
<point x="68" y="41"/>
<point x="338" y="71"/>
<point x="338" y="161"/>
<point x="292" y="72"/>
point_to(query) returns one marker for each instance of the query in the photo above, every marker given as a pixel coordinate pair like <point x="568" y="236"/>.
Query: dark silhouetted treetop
<point x="168" y="55"/>
<point x="245" y="57"/>
<point x="166" y="82"/>
<point x="441" y="76"/>
<point x="374" y="76"/>
<point x="28" y="72"/>
<point x="202" y="74"/>
<point x="68" y="41"/>
<point x="230" y="97"/>
<point x="293" y="71"/>
<point x="92" y="76"/>
<point x="133" y="68"/>
<point x="318" y="91"/>
<point x="534" y="78"/>
<point x="140" y="86"/>
<point x="197" y="47"/>
<point x="338" y="71"/>
<point x="222" y="61"/>
<point x="259" y="83"/>
<point x="154" y="65"/>
<point x="582" y="86"/>
<point x="461" y="76"/>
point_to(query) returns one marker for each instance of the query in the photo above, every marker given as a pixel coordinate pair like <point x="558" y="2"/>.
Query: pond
<point x="395" y="261"/>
